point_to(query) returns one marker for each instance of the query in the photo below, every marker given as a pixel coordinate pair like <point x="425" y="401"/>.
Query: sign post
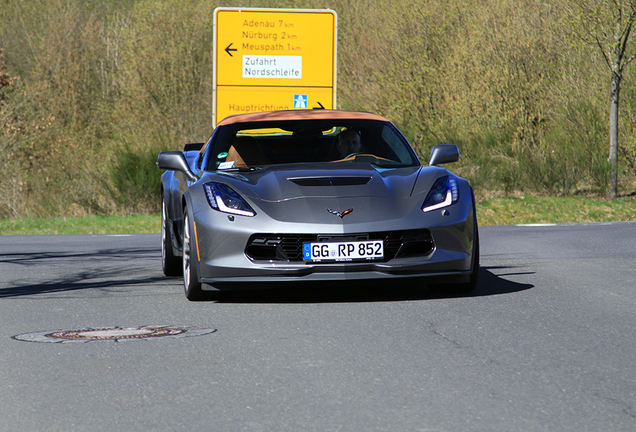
<point x="273" y="59"/>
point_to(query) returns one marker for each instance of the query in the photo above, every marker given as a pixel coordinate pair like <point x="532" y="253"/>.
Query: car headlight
<point x="223" y="198"/>
<point x="444" y="193"/>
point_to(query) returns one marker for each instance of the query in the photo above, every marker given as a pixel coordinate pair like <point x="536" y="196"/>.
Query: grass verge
<point x="534" y="210"/>
<point x="494" y="211"/>
<point x="82" y="225"/>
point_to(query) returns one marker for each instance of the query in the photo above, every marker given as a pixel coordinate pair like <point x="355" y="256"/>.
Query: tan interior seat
<point x="234" y="156"/>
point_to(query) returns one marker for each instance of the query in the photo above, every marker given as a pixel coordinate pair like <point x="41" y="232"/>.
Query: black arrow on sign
<point x="228" y="49"/>
<point x="320" y="107"/>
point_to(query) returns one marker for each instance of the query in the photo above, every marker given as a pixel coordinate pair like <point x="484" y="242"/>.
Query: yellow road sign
<point x="268" y="59"/>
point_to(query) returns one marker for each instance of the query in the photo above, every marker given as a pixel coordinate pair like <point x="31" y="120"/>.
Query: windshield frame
<point x="310" y="141"/>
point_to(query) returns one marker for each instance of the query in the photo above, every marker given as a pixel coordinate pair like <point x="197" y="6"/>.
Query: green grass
<point x="493" y="211"/>
<point x="533" y="210"/>
<point x="82" y="225"/>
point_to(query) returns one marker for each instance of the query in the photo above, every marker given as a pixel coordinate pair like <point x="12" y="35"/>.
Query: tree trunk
<point x="612" y="186"/>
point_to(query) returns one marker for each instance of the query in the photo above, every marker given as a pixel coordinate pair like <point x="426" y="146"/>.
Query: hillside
<point x="90" y="92"/>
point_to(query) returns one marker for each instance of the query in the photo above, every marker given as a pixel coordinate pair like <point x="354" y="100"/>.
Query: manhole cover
<point x="117" y="334"/>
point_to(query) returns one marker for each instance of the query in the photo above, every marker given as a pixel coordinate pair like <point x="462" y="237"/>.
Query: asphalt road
<point x="546" y="343"/>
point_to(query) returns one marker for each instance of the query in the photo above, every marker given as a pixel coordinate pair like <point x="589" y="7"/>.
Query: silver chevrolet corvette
<point x="314" y="195"/>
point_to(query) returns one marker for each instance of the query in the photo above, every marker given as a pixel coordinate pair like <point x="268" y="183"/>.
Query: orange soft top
<point x="317" y="114"/>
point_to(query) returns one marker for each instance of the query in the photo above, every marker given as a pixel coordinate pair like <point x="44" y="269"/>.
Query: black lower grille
<point x="289" y="247"/>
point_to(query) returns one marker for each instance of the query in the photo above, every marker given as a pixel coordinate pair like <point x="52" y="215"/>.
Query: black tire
<point x="170" y="264"/>
<point x="191" y="283"/>
<point x="467" y="287"/>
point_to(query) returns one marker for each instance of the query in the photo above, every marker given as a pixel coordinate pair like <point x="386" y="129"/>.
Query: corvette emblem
<point x="337" y="213"/>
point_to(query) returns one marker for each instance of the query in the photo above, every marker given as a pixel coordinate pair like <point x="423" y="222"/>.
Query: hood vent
<point x="330" y="181"/>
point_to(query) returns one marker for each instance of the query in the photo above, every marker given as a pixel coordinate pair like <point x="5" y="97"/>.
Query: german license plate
<point x="343" y="251"/>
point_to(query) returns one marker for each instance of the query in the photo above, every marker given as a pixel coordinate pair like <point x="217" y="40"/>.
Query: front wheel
<point x="191" y="283"/>
<point x="465" y="287"/>
<point x="468" y="287"/>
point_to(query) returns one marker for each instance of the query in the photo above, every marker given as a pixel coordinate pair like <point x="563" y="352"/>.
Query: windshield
<point x="253" y="145"/>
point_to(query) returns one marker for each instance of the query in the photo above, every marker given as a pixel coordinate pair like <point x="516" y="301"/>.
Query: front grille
<point x="289" y="247"/>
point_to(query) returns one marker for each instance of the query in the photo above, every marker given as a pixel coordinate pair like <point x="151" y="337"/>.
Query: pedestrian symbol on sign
<point x="300" y="101"/>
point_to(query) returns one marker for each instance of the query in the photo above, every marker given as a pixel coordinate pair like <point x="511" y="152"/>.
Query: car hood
<point x="275" y="185"/>
<point x="302" y="193"/>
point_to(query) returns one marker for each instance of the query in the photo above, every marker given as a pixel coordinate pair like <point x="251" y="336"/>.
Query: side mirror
<point x="444" y="153"/>
<point x="175" y="161"/>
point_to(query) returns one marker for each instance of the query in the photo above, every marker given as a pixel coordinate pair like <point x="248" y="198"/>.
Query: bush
<point x="105" y="85"/>
<point x="136" y="181"/>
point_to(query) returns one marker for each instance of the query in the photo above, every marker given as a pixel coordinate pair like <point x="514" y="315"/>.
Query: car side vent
<point x="330" y="181"/>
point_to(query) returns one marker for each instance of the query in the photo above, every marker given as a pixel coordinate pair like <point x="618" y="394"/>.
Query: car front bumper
<point x="222" y="241"/>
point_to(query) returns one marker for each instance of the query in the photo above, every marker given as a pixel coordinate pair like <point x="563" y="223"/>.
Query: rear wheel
<point x="170" y="264"/>
<point x="191" y="283"/>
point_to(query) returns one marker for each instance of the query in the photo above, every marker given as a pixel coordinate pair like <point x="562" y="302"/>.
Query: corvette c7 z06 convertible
<point x="314" y="195"/>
